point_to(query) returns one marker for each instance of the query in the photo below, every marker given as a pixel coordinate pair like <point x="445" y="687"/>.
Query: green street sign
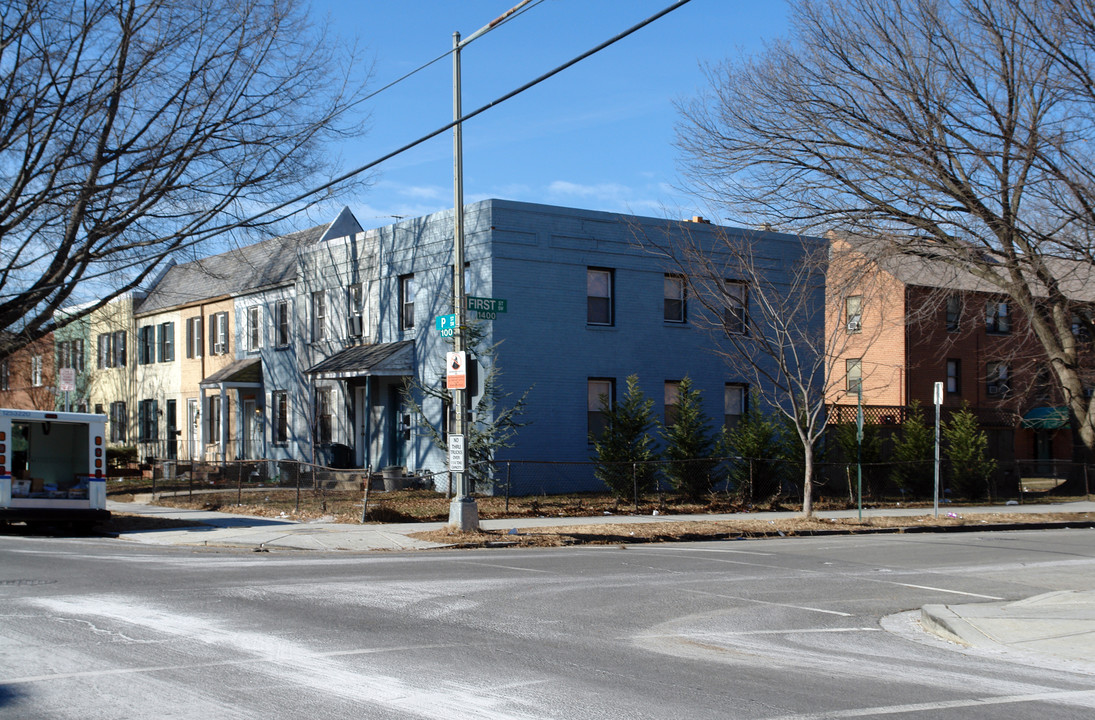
<point x="486" y="305"/>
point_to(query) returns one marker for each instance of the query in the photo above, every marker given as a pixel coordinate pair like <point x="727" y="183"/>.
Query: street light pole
<point x="463" y="511"/>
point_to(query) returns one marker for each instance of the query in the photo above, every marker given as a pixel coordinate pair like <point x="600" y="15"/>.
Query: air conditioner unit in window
<point x="853" y="326"/>
<point x="354" y="322"/>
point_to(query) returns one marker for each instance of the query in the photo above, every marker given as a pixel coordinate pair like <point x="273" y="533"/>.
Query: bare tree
<point x="131" y="129"/>
<point x="958" y="128"/>
<point x="767" y="311"/>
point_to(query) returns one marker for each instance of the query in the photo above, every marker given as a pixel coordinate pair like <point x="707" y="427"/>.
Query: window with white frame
<point x="319" y="315"/>
<point x="355" y="300"/>
<point x="253" y="328"/>
<point x="213" y="419"/>
<point x="600" y="394"/>
<point x="406" y="302"/>
<point x="734" y="397"/>
<point x="5" y="375"/>
<point x="997" y="319"/>
<point x="673" y="303"/>
<point x="599" y="306"/>
<point x="853" y="313"/>
<point x="280" y="427"/>
<point x="854" y="370"/>
<point x="323" y="416"/>
<point x="194" y="337"/>
<point x="218" y="334"/>
<point x="954" y="376"/>
<point x="281" y="323"/>
<point x="36" y="370"/>
<point x="78" y="355"/>
<point x="119" y="343"/>
<point x="165" y="339"/>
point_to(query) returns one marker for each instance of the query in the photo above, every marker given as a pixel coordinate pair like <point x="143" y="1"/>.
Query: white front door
<point x="194" y="429"/>
<point x="249" y="429"/>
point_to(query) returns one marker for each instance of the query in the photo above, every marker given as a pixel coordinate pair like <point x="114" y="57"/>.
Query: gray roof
<point x="924" y="264"/>
<point x="384" y="359"/>
<point x="265" y="264"/>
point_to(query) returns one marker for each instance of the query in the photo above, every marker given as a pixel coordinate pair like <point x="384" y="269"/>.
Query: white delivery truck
<point x="52" y="467"/>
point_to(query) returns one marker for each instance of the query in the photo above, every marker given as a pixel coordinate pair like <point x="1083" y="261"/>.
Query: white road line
<point x="944" y="590"/>
<point x="717" y="550"/>
<point x="766" y="602"/>
<point x="1082" y="697"/>
<point x="789" y="631"/>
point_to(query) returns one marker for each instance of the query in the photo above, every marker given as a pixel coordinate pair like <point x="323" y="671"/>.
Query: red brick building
<point x="27" y="377"/>
<point x="898" y="324"/>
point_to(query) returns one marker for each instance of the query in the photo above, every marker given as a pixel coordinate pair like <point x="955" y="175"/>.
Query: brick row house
<point x="901" y="323"/>
<point x="298" y="347"/>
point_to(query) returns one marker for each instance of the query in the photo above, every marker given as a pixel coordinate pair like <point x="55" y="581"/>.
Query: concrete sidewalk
<point x="1058" y="624"/>
<point x="229" y="530"/>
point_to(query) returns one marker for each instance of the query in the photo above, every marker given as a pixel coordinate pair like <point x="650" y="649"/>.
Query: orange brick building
<point x="27" y="377"/>
<point x="898" y="324"/>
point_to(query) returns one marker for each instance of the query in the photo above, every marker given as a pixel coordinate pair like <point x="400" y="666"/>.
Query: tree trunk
<point x="808" y="480"/>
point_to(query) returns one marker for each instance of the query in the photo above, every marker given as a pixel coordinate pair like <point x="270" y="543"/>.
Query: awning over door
<point x="392" y="359"/>
<point x="240" y="374"/>
<point x="1045" y="418"/>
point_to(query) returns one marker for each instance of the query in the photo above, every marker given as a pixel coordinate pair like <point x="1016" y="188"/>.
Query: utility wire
<point x="206" y="234"/>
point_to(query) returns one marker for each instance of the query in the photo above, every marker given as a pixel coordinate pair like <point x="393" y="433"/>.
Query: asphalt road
<point x="795" y="628"/>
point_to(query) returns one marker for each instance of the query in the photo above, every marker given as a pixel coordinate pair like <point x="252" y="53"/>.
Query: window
<point x="119" y="338"/>
<point x="5" y="375"/>
<point x="996" y="377"/>
<point x="70" y="354"/>
<point x="854" y="370"/>
<point x="997" y="319"/>
<point x="194" y="337"/>
<point x="734" y="397"/>
<point x="147" y="424"/>
<point x="280" y="428"/>
<point x="672" y="401"/>
<point x="64" y="354"/>
<point x="853" y="313"/>
<point x="77" y="355"/>
<point x="954" y="376"/>
<point x="323" y="415"/>
<point x="600" y="394"/>
<point x="112" y="349"/>
<point x="735" y="317"/>
<point x="406" y="302"/>
<point x="954" y="312"/>
<point x="118" y="420"/>
<point x="598" y="296"/>
<point x="355" y="298"/>
<point x="253" y="340"/>
<point x="218" y="334"/>
<point x="319" y="315"/>
<point x="281" y="323"/>
<point x="213" y="422"/>
<point x="673" y="304"/>
<point x="36" y="370"/>
<point x="146" y="345"/>
<point x="166" y="341"/>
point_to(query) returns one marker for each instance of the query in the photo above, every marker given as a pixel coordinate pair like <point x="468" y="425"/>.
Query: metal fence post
<point x="297" y="473"/>
<point x="239" y="486"/>
<point x="635" y="483"/>
<point x="508" y="464"/>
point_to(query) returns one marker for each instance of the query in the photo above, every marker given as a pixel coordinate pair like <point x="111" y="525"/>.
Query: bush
<point x="970" y="469"/>
<point x="119" y="456"/>
<point x="913" y="455"/>
<point x="688" y="445"/>
<point x="626" y="441"/>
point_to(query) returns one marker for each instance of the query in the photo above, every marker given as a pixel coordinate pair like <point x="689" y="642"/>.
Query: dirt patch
<point x="658" y="532"/>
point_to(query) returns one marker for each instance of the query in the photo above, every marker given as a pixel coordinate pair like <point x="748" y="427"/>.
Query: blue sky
<point x="598" y="136"/>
